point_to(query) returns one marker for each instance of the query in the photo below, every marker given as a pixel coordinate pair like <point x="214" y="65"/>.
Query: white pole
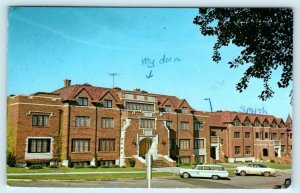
<point x="148" y="162"/>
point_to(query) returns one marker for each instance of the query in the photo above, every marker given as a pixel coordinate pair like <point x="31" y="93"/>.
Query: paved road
<point x="250" y="182"/>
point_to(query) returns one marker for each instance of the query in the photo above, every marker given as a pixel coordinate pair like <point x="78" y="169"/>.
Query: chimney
<point x="67" y="83"/>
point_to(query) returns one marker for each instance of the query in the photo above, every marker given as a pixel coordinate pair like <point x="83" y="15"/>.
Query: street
<point x="240" y="182"/>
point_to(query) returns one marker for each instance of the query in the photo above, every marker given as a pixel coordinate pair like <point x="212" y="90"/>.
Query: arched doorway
<point x="265" y="152"/>
<point x="144" y="146"/>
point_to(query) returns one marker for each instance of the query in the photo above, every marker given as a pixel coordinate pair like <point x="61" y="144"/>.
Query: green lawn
<point x="63" y="169"/>
<point x="91" y="177"/>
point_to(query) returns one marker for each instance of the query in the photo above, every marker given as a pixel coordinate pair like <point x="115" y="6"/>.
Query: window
<point x="282" y="148"/>
<point x="82" y="101"/>
<point x="273" y="125"/>
<point x="274" y="136"/>
<point x="236" y="134"/>
<point x="39" y="145"/>
<point x="266" y="135"/>
<point x="256" y="123"/>
<point x="185" y="160"/>
<point x="184" y="110"/>
<point x="106" y="145"/>
<point x="82" y="121"/>
<point x="107" y="122"/>
<point x="282" y="136"/>
<point x="107" y="162"/>
<point x="184" y="144"/>
<point x="236" y="122"/>
<point x="248" y="150"/>
<point x="247" y="134"/>
<point x="237" y="150"/>
<point x="199" y="159"/>
<point x="107" y="103"/>
<point x="198" y="143"/>
<point x="80" y="145"/>
<point x="266" y="124"/>
<point x="184" y="125"/>
<point x="257" y="135"/>
<point x="139" y="106"/>
<point x="291" y="135"/>
<point x="281" y="125"/>
<point x="40" y="120"/>
<point x="198" y="126"/>
<point x="147" y="123"/>
<point x="167" y="108"/>
<point x="246" y="123"/>
<point x="169" y="124"/>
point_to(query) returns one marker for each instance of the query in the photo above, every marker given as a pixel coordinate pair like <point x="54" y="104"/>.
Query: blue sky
<point x="48" y="45"/>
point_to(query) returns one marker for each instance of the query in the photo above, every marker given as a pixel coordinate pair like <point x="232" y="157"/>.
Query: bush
<point x="53" y="166"/>
<point x="11" y="159"/>
<point x="115" y="166"/>
<point x="91" y="166"/>
<point x="104" y="166"/>
<point x="36" y="167"/>
<point x="272" y="161"/>
<point x="78" y="166"/>
<point x="123" y="167"/>
<point x="131" y="162"/>
<point x="186" y="164"/>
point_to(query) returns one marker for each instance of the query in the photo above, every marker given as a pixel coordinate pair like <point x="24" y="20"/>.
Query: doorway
<point x="144" y="147"/>
<point x="213" y="152"/>
<point x="265" y="152"/>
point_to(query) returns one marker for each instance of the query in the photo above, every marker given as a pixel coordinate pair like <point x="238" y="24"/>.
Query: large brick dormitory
<point x="85" y="124"/>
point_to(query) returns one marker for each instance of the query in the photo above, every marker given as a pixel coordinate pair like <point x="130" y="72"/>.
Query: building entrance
<point x="144" y="146"/>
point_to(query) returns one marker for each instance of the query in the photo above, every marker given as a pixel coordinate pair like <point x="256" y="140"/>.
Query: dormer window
<point x="273" y="125"/>
<point x="107" y="104"/>
<point x="167" y="108"/>
<point x="246" y="123"/>
<point x="266" y="124"/>
<point x="236" y="122"/>
<point x="82" y="101"/>
<point x="256" y="123"/>
<point x="184" y="110"/>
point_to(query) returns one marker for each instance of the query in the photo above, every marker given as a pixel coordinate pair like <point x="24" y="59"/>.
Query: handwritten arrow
<point x="150" y="75"/>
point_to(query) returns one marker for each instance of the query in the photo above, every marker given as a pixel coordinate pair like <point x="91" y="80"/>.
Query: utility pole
<point x="113" y="75"/>
<point x="208" y="99"/>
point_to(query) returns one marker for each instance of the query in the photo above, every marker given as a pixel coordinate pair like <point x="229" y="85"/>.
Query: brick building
<point x="84" y="124"/>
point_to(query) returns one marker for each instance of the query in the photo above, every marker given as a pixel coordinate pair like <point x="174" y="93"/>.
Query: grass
<point x="91" y="177"/>
<point x="63" y="169"/>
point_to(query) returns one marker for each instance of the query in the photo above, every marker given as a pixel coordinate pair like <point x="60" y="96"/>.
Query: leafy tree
<point x="266" y="35"/>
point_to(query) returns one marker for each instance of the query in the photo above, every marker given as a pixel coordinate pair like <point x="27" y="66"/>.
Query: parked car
<point x="207" y="171"/>
<point x="287" y="183"/>
<point x="254" y="169"/>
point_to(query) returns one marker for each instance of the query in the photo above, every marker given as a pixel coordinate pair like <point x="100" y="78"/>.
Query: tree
<point x="266" y="35"/>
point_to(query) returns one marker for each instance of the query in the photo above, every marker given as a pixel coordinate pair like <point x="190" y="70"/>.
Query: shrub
<point x="91" y="166"/>
<point x="36" y="167"/>
<point x="78" y="166"/>
<point x="11" y="159"/>
<point x="104" y="166"/>
<point x="272" y="161"/>
<point x="53" y="166"/>
<point x="123" y="167"/>
<point x="131" y="162"/>
<point x="186" y="164"/>
<point x="115" y="166"/>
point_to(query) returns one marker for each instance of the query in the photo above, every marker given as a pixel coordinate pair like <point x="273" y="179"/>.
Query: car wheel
<point x="243" y="173"/>
<point x="215" y="177"/>
<point x="267" y="174"/>
<point x="185" y="175"/>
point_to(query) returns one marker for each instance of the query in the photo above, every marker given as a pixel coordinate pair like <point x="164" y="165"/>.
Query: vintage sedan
<point x="254" y="169"/>
<point x="206" y="171"/>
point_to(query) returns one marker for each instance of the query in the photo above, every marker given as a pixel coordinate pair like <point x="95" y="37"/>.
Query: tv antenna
<point x="208" y="99"/>
<point x="113" y="76"/>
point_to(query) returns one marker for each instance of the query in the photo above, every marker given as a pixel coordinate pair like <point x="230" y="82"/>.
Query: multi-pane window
<point x="39" y="145"/>
<point x="107" y="103"/>
<point x="282" y="135"/>
<point x="185" y="160"/>
<point x="257" y="135"/>
<point x="274" y="136"/>
<point x="266" y="135"/>
<point x="82" y="121"/>
<point x="40" y="120"/>
<point x="147" y="123"/>
<point x="184" y="110"/>
<point x="82" y="101"/>
<point x="198" y="126"/>
<point x="282" y="148"/>
<point x="80" y="145"/>
<point x="266" y="124"/>
<point x="184" y="125"/>
<point x="236" y="122"/>
<point x="184" y="144"/>
<point x="167" y="108"/>
<point x="247" y="150"/>
<point x="273" y="125"/>
<point x="106" y="144"/>
<point x="140" y="106"/>
<point x="107" y="122"/>
<point x="256" y="123"/>
<point x="237" y="150"/>
<point x="246" y="123"/>
<point x="247" y="134"/>
<point x="198" y="143"/>
<point x="236" y="134"/>
<point x="199" y="158"/>
<point x="169" y="124"/>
